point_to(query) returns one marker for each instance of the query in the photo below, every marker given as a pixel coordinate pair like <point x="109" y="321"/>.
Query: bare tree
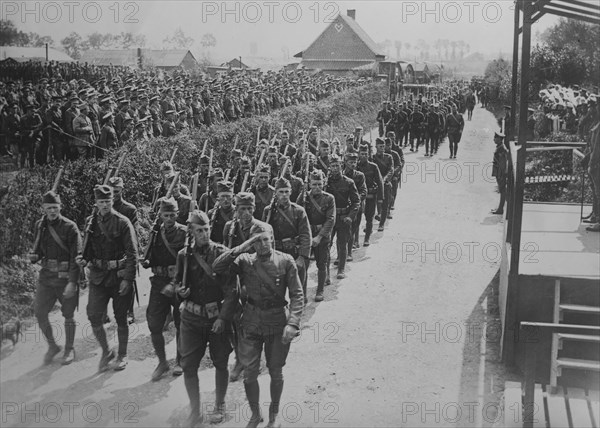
<point x="179" y="40"/>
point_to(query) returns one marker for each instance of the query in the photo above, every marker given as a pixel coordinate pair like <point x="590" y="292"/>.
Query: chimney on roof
<point x="352" y="13"/>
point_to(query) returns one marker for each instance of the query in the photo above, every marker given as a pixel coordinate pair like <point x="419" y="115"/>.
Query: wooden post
<point x="512" y="301"/>
<point x="515" y="74"/>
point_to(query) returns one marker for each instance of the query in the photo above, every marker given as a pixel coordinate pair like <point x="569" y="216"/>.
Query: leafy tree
<point x="178" y="40"/>
<point x="74" y="45"/>
<point x="11" y="36"/>
<point x="209" y="41"/>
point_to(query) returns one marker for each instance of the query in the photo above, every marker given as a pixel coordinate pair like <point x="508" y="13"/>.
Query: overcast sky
<point x="273" y="26"/>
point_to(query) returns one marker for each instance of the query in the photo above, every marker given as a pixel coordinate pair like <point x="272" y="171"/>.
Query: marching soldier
<point x="245" y="165"/>
<point x="209" y="200"/>
<point x="324" y="156"/>
<point x="207" y="310"/>
<point x="454" y="127"/>
<point x="169" y="240"/>
<point x="321" y="213"/>
<point x="267" y="275"/>
<point x="31" y="125"/>
<point x="263" y="192"/>
<point x="166" y="170"/>
<point x="375" y="189"/>
<point x="417" y="121"/>
<point x="112" y="256"/>
<point x="398" y="165"/>
<point x="384" y="117"/>
<point x="296" y="182"/>
<point x="347" y="202"/>
<point x="58" y="243"/>
<point x="291" y="228"/>
<point x="361" y="186"/>
<point x="129" y="210"/>
<point x="222" y="212"/>
<point x="385" y="163"/>
<point x="108" y="135"/>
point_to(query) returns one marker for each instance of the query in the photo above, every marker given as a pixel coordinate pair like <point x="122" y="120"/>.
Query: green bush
<point x="17" y="288"/>
<point x="141" y="173"/>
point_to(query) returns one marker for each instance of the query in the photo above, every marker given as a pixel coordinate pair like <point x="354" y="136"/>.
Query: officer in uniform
<point x="347" y="202"/>
<point x="263" y="192"/>
<point x="375" y="189"/>
<point x="292" y="230"/>
<point x="236" y="232"/>
<point x="321" y="213"/>
<point x="266" y="274"/>
<point x="129" y="210"/>
<point x="385" y="163"/>
<point x="162" y="257"/>
<point x="500" y="170"/>
<point x="57" y="244"/>
<point x="358" y="177"/>
<point x="206" y="313"/>
<point x="112" y="255"/>
<point x="454" y="127"/>
<point x="222" y="212"/>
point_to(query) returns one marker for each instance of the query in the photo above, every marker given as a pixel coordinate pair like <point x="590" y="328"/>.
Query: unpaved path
<point x="410" y="338"/>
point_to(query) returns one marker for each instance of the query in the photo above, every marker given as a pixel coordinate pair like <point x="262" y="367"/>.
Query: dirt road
<point x="410" y="338"/>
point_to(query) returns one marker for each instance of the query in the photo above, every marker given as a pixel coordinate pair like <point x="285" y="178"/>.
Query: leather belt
<point x="200" y="310"/>
<point x="108" y="264"/>
<point x="342" y="211"/>
<point x="165" y="271"/>
<point x="264" y="304"/>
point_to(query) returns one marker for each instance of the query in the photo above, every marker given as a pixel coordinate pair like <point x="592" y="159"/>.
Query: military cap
<point x="204" y="160"/>
<point x="168" y="204"/>
<point x="260" y="227"/>
<point x="107" y="116"/>
<point x="216" y="173"/>
<point x="115" y="182"/>
<point x="272" y="150"/>
<point x="105" y="100"/>
<point x="102" y="191"/>
<point x="198" y="217"/>
<point x="153" y="98"/>
<point x="51" y="197"/>
<point x="363" y="148"/>
<point x="29" y="107"/>
<point x="350" y="137"/>
<point x="170" y="112"/>
<point x="324" y="143"/>
<point x="245" y="199"/>
<point x="285" y="133"/>
<point x="44" y="80"/>
<point x="224" y="187"/>
<point x="507" y="107"/>
<point x="245" y="161"/>
<point x="166" y="166"/>
<point x="236" y="153"/>
<point x="312" y="129"/>
<point x="379" y="140"/>
<point x="124" y="101"/>
<point x="83" y="92"/>
<point x="57" y="97"/>
<point x="83" y="106"/>
<point x="499" y="135"/>
<point x="128" y="119"/>
<point x="264" y="169"/>
<point x="317" y="174"/>
<point x="283" y="183"/>
<point x="334" y="159"/>
<point x="350" y="156"/>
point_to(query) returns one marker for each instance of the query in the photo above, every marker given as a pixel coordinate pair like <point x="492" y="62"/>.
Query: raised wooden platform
<point x="554" y="243"/>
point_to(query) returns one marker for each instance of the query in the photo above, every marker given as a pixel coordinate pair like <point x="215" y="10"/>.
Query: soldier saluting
<point x="267" y="275"/>
<point x="58" y="243"/>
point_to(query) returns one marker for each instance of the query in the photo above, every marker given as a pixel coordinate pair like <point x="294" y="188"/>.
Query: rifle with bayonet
<point x="162" y="183"/>
<point x="208" y="181"/>
<point x="188" y="240"/>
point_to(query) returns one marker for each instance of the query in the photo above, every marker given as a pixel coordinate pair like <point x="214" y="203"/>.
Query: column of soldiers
<point x="426" y="120"/>
<point x="58" y="119"/>
<point x="221" y="262"/>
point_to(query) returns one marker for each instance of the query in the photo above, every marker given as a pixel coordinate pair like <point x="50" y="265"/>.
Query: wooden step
<point x="582" y="309"/>
<point x="579" y="337"/>
<point x="574" y="363"/>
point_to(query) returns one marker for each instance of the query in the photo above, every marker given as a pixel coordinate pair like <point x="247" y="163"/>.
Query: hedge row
<point x="21" y="206"/>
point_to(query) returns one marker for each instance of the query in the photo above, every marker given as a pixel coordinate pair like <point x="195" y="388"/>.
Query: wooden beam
<point x="573" y="9"/>
<point x="572" y="16"/>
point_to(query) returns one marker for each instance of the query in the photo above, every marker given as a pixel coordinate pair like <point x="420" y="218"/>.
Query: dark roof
<point x="35" y="54"/>
<point x="128" y="57"/>
<point x="334" y="65"/>
<point x="342" y="40"/>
